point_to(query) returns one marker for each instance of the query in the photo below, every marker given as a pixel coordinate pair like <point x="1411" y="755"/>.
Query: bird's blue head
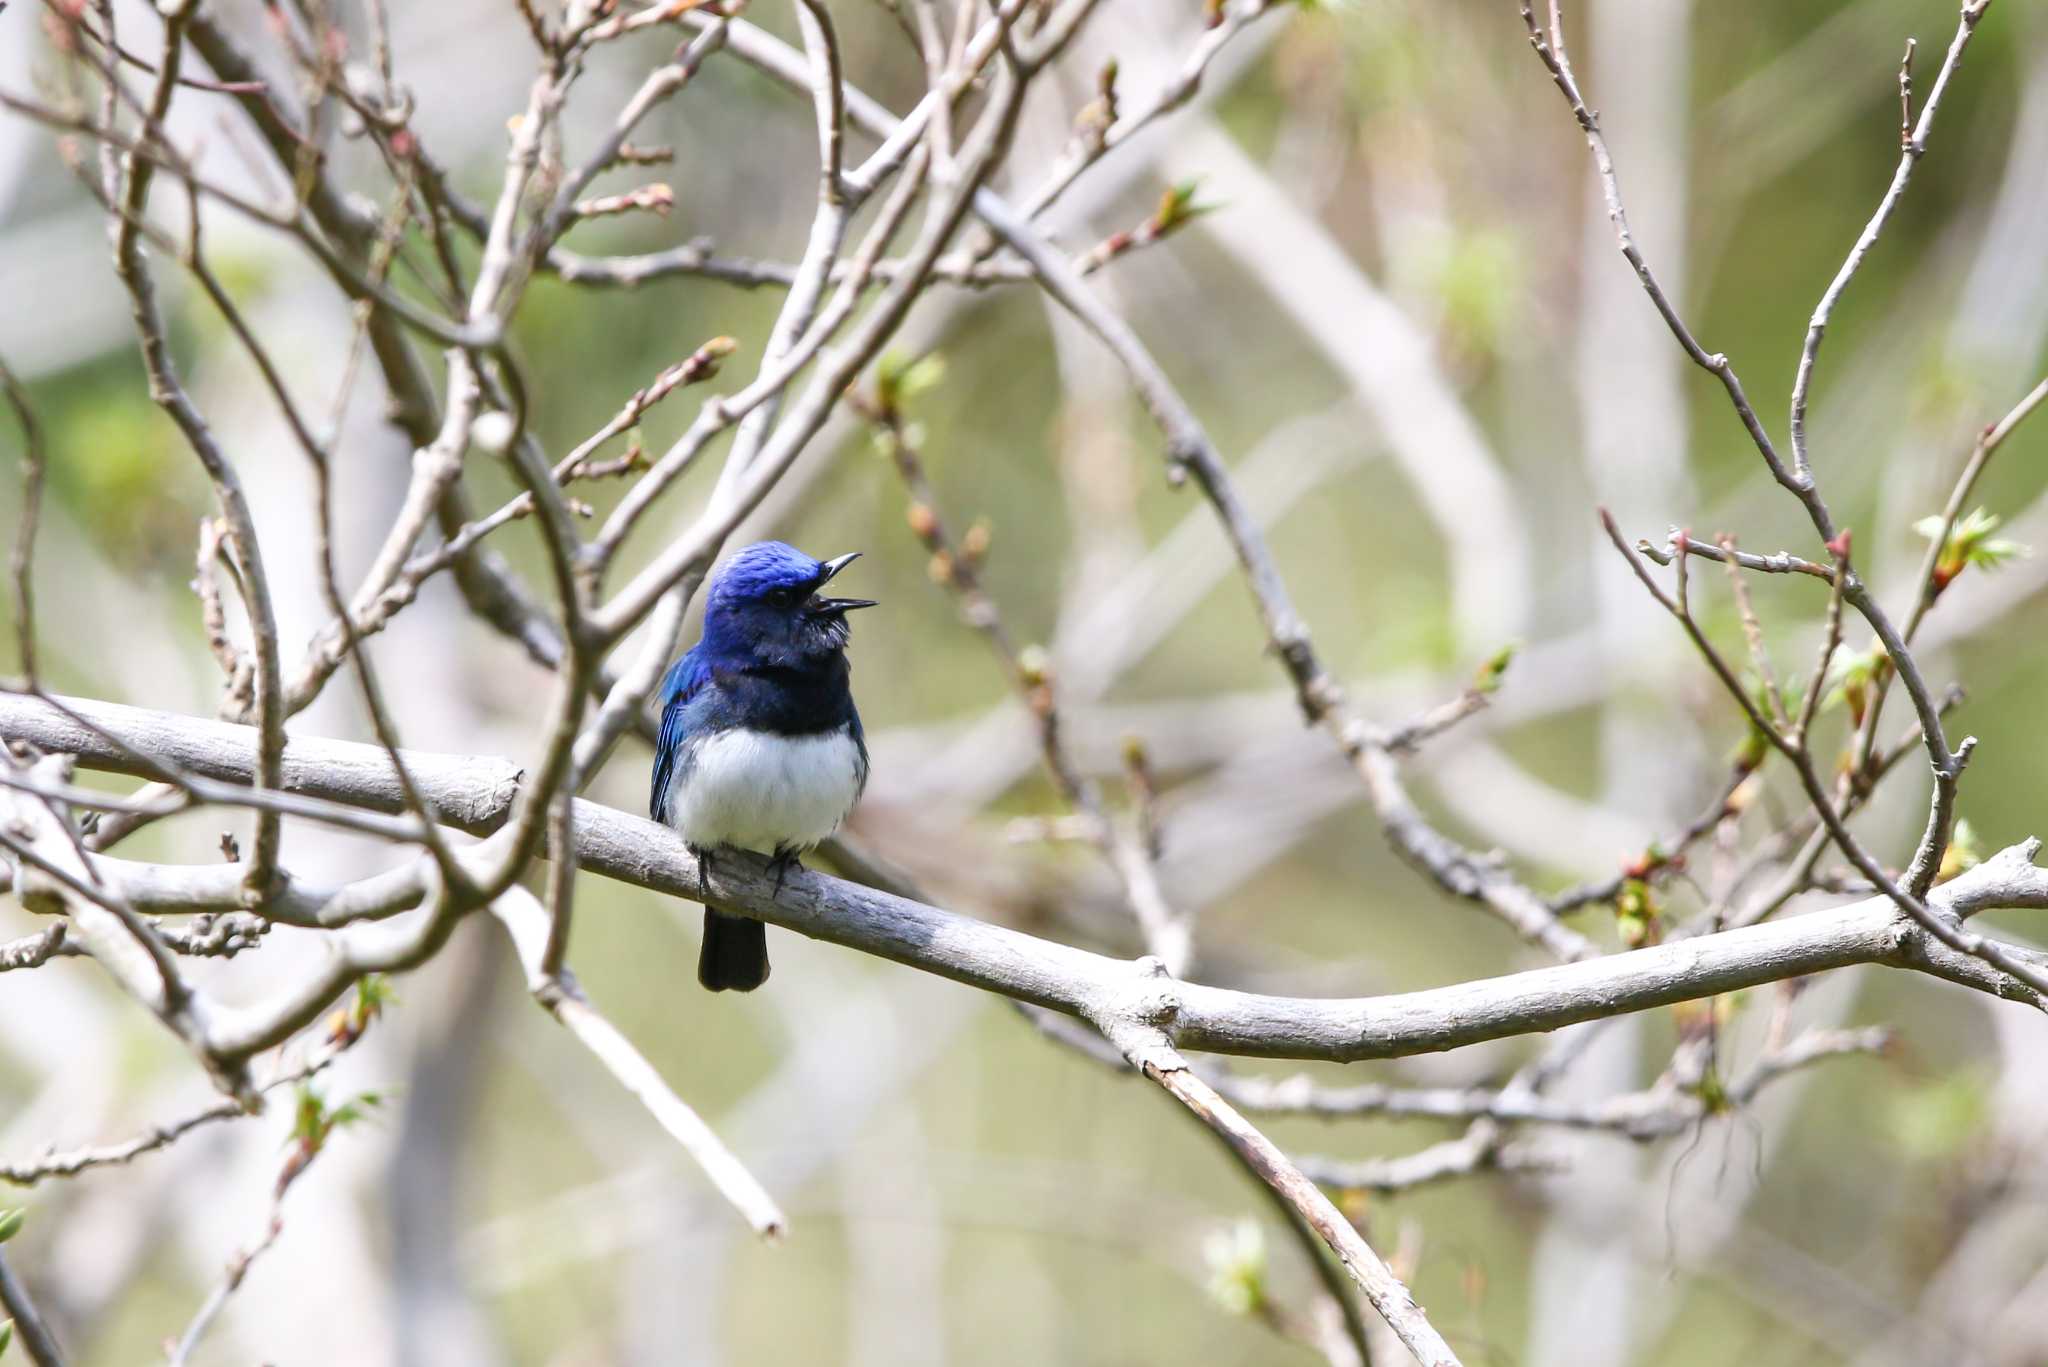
<point x="765" y="604"/>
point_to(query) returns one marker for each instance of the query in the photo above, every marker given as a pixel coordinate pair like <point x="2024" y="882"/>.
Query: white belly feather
<point x="755" y="790"/>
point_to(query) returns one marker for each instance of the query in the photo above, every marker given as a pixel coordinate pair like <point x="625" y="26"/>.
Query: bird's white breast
<point x="756" y="790"/>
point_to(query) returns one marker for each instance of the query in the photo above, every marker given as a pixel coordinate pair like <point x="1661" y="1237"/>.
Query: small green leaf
<point x="1968" y="543"/>
<point x="373" y="993"/>
<point x="354" y="1112"/>
<point x="6" y="1335"/>
<point x="10" y="1223"/>
<point x="1851" y="681"/>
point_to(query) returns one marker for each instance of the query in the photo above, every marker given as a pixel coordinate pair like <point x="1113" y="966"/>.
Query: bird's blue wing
<point x="685" y="678"/>
<point x="860" y="746"/>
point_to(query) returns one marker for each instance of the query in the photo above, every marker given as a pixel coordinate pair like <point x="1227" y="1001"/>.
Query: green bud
<point x="1750" y="754"/>
<point x="1177" y="206"/>
<point x="1635" y="913"/>
<point x="1488" y="679"/>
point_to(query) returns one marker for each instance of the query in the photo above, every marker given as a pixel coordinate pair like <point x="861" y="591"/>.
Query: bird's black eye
<point x="782" y="598"/>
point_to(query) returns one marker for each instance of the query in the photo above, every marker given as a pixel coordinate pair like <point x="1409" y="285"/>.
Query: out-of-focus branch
<point x="1655" y="1113"/>
<point x="36" y="1339"/>
<point x="1475" y="1152"/>
<point x="33" y="951"/>
<point x="1130" y="852"/>
<point x="556" y="989"/>
<point x="71" y="1162"/>
<point x="22" y="561"/>
<point x="314" y="1124"/>
<point x="1190" y="451"/>
<point x="53" y="874"/>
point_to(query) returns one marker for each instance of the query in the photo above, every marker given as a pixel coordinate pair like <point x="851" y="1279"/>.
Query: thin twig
<point x="1388" y="1296"/>
<point x="71" y="1162"/>
<point x="954" y="565"/>
<point x="1913" y="143"/>
<point x="1907" y="900"/>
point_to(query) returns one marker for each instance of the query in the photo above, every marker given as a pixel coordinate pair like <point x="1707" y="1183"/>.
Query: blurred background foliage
<point x="962" y="1190"/>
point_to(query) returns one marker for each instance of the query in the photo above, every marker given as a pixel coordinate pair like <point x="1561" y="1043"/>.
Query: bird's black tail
<point x="735" y="953"/>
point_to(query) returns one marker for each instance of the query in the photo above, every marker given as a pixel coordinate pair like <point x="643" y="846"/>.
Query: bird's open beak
<point x="831" y="607"/>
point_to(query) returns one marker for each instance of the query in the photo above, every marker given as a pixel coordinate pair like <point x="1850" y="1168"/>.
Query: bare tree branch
<point x="631" y="849"/>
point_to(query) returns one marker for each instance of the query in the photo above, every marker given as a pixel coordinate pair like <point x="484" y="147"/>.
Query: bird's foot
<point x="781" y="864"/>
<point x="702" y="854"/>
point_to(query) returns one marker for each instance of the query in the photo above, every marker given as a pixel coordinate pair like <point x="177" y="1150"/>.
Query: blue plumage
<point x="761" y="746"/>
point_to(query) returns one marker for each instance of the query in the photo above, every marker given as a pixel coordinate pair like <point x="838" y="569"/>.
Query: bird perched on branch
<point x="761" y="747"/>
